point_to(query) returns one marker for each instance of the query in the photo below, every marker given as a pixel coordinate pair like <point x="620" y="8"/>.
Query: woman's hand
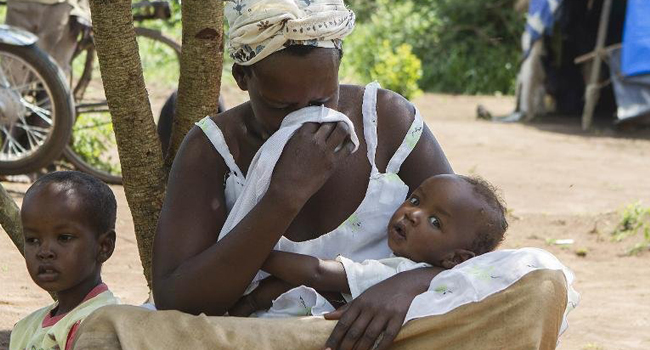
<point x="260" y="298"/>
<point x="309" y="159"/>
<point x="380" y="310"/>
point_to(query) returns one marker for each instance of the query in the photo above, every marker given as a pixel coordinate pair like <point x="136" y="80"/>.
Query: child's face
<point x="63" y="251"/>
<point x="436" y="223"/>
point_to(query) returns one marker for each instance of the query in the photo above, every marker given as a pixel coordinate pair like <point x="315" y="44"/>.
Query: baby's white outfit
<point x="305" y="301"/>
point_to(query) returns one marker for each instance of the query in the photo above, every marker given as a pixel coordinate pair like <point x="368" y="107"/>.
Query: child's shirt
<point x="40" y="330"/>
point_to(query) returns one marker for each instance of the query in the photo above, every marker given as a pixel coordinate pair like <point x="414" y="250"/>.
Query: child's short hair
<point x="98" y="199"/>
<point x="491" y="234"/>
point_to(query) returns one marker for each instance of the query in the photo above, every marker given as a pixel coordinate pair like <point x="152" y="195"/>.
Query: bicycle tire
<point x="62" y="113"/>
<point x="69" y="153"/>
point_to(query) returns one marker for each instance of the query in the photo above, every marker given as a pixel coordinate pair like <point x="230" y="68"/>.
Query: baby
<point x="68" y="222"/>
<point x="446" y="221"/>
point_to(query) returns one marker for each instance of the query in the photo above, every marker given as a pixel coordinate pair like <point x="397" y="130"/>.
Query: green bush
<point x="470" y="46"/>
<point x="398" y="70"/>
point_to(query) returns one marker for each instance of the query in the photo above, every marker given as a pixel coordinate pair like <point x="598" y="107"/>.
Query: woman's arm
<point x="194" y="273"/>
<point x="299" y="269"/>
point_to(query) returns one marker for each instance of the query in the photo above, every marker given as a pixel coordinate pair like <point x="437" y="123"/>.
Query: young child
<point x="68" y="222"/>
<point x="446" y="221"/>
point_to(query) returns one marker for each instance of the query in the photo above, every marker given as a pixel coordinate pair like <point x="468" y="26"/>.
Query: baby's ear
<point x="459" y="256"/>
<point x="106" y="243"/>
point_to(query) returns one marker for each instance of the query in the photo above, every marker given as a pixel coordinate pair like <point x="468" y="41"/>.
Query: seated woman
<point x="322" y="200"/>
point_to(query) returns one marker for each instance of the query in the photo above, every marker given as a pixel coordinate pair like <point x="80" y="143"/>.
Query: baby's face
<point x="440" y="216"/>
<point x="61" y="247"/>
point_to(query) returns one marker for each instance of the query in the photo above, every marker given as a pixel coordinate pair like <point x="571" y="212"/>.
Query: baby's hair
<point x="99" y="201"/>
<point x="491" y="234"/>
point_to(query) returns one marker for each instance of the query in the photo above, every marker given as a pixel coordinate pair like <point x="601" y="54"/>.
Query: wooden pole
<point x="592" y="92"/>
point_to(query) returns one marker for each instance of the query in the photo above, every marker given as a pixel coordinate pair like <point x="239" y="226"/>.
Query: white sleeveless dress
<point x="363" y="235"/>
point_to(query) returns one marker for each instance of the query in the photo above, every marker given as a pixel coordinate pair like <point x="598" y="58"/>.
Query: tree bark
<point x="10" y="220"/>
<point x="201" y="65"/>
<point x="135" y="132"/>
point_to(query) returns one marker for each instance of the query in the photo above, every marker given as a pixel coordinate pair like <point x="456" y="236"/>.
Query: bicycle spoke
<point x="41" y="112"/>
<point x="11" y="145"/>
<point x="35" y="135"/>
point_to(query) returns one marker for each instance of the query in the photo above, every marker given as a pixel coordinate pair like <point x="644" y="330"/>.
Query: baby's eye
<point x="414" y="201"/>
<point x="31" y="240"/>
<point x="434" y="221"/>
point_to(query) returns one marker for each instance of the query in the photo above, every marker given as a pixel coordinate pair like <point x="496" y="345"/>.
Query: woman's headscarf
<point x="259" y="28"/>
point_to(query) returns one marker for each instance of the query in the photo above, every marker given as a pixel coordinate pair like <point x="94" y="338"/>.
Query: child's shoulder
<point x="35" y="317"/>
<point x="32" y="330"/>
<point x="26" y="327"/>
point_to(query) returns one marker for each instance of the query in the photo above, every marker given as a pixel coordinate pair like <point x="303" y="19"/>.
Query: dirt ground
<point x="559" y="182"/>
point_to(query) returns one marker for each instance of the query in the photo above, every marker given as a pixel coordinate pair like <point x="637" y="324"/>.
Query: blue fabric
<point x="541" y="17"/>
<point x="636" y="38"/>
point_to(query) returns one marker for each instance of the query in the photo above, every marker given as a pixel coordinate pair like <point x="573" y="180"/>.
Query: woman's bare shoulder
<point x="394" y="117"/>
<point x="231" y="124"/>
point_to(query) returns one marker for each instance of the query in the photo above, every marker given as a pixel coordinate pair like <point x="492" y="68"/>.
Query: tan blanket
<point x="527" y="315"/>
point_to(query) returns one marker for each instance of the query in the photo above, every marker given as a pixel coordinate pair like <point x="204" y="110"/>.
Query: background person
<point x="56" y="23"/>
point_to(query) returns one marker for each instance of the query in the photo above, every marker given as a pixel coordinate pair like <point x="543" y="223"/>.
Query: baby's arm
<point x="299" y="269"/>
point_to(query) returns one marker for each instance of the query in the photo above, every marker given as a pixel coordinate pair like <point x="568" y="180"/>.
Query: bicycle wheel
<point x="36" y="109"/>
<point x="93" y="149"/>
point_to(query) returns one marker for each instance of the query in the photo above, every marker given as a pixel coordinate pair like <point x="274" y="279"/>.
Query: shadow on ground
<point x="4" y="338"/>
<point x="601" y="127"/>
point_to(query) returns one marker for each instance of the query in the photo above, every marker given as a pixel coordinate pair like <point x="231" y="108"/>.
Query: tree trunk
<point x="10" y="219"/>
<point x="11" y="223"/>
<point x="201" y="64"/>
<point x="135" y="132"/>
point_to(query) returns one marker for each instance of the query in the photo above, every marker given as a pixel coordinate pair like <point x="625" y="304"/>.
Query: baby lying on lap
<point x="446" y="221"/>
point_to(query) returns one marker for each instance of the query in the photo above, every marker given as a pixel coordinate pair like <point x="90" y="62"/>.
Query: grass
<point x="635" y="219"/>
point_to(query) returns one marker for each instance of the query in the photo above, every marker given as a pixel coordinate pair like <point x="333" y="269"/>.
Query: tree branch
<point x="135" y="132"/>
<point x="201" y="66"/>
<point x="10" y="219"/>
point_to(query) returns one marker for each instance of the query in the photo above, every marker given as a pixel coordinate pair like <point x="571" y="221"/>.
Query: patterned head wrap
<point x="259" y="28"/>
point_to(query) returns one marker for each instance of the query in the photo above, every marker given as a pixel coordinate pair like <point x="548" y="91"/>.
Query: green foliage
<point x="467" y="46"/>
<point x="398" y="70"/>
<point x="375" y="51"/>
<point x="635" y="218"/>
<point x="94" y="141"/>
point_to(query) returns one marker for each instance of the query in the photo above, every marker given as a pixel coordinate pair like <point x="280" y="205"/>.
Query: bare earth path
<point x="558" y="182"/>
